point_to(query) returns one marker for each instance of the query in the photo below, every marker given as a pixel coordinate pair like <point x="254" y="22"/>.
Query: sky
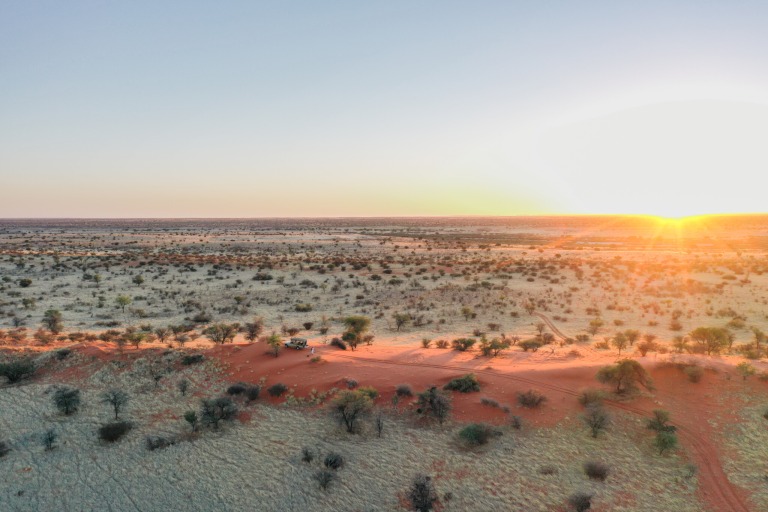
<point x="396" y="108"/>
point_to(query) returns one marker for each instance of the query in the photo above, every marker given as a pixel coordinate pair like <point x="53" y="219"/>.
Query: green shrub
<point x="476" y="434"/>
<point x="111" y="432"/>
<point x="463" y="344"/>
<point x="17" y="370"/>
<point x="465" y="384"/>
<point x="596" y="470"/>
<point x="192" y="359"/>
<point x="277" y="389"/>
<point x="592" y="396"/>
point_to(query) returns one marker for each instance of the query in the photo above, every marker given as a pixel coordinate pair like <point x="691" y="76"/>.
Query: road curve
<point x="717" y="490"/>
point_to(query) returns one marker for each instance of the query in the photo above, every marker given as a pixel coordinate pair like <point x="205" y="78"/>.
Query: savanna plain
<point x="455" y="364"/>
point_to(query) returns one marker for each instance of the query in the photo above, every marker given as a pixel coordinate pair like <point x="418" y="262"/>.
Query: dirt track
<point x="717" y="491"/>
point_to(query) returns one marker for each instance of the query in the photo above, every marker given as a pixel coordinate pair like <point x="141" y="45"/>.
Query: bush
<point x="516" y="422"/>
<point x="596" y="419"/>
<point x="694" y="373"/>
<point x="49" y="439"/>
<point x="351" y="383"/>
<point x="213" y="411"/>
<point x="596" y="470"/>
<point x="489" y="402"/>
<point x="422" y="494"/>
<point x="157" y="443"/>
<point x="581" y="501"/>
<point x="333" y="461"/>
<point x="403" y="390"/>
<point x="236" y="389"/>
<point x="66" y="400"/>
<point x="441" y="343"/>
<point x="276" y="390"/>
<point x="324" y="477"/>
<point x="465" y="384"/>
<point x="463" y="344"/>
<point x="434" y="402"/>
<point x="111" y="432"/>
<point x="369" y="391"/>
<point x="531" y="399"/>
<point x="252" y="393"/>
<point x="307" y="455"/>
<point x="665" y="440"/>
<point x="62" y="353"/>
<point x="592" y="396"/>
<point x="336" y="342"/>
<point x="4" y="449"/>
<point x="192" y="359"/>
<point x="17" y="370"/>
<point x="476" y="434"/>
<point x="532" y="345"/>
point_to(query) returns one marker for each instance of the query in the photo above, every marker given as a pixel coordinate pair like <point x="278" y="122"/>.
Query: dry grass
<point x="258" y="466"/>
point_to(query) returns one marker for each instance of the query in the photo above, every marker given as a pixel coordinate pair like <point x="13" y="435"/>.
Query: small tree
<point x="422" y="494"/>
<point x="594" y="326"/>
<point x="435" y="403"/>
<point x="275" y="343"/>
<point x="401" y="319"/>
<point x="620" y="342"/>
<point x="138" y="280"/>
<point x="123" y="300"/>
<point x="191" y="418"/>
<point x="17" y="370"/>
<point x="49" y="439"/>
<point x="745" y="369"/>
<point x="222" y="332"/>
<point x="212" y="412"/>
<point x="162" y="334"/>
<point x="580" y="501"/>
<point x="53" y="321"/>
<point x="116" y="398"/>
<point x="596" y="419"/>
<point x="625" y="375"/>
<point x="349" y="406"/>
<point x="660" y="421"/>
<point x="712" y="339"/>
<point x="632" y="336"/>
<point x="665" y="441"/>
<point x="66" y="400"/>
<point x="254" y="329"/>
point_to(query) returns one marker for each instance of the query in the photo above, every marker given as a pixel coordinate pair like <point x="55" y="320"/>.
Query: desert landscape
<point x="521" y="363"/>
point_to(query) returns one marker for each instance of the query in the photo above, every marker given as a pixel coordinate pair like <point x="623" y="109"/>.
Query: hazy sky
<point x="289" y="108"/>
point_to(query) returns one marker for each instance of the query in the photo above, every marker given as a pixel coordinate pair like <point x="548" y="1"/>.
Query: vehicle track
<point x="551" y="326"/>
<point x="718" y="491"/>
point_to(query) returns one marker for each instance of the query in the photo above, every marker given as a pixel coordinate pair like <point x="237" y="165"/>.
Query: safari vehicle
<point x="297" y="343"/>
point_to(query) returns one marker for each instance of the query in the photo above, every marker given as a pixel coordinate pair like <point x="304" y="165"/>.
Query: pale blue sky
<point x="382" y="108"/>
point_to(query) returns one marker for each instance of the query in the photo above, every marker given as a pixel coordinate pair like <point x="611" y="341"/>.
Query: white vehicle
<point x="297" y="343"/>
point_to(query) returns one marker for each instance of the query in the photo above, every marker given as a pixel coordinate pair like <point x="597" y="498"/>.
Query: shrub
<point x="548" y="470"/>
<point x="596" y="470"/>
<point x="351" y="383"/>
<point x="213" y="411"/>
<point x="463" y="344"/>
<point x="336" y="342"/>
<point x="17" y="370"/>
<point x="4" y="449"/>
<point x="157" y="443"/>
<point x="111" y="432"/>
<point x="403" y="390"/>
<point x="516" y="422"/>
<point x="307" y="455"/>
<point x="349" y="406"/>
<point x="660" y="421"/>
<point x="665" y="440"/>
<point x="370" y="391"/>
<point x="489" y="402"/>
<point x="532" y="345"/>
<point x="49" y="439"/>
<point x="66" y="400"/>
<point x="62" y="353"/>
<point x="625" y="375"/>
<point x="191" y="418"/>
<point x="591" y="396"/>
<point x="465" y="384"/>
<point x="694" y="373"/>
<point x="422" y="494"/>
<point x="531" y="399"/>
<point x="115" y="398"/>
<point x="192" y="359"/>
<point x="236" y="389"/>
<point x="441" y="343"/>
<point x="183" y="385"/>
<point x="276" y="390"/>
<point x="580" y="501"/>
<point x="426" y="342"/>
<point x="596" y="419"/>
<point x="252" y="393"/>
<point x="324" y="477"/>
<point x="333" y="461"/>
<point x="433" y="402"/>
<point x="476" y="434"/>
